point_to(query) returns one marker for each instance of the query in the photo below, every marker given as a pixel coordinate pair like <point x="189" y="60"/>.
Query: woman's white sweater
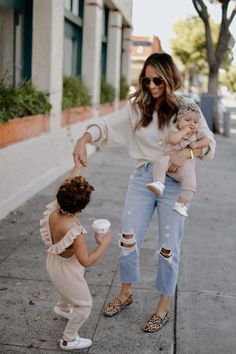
<point x="145" y="143"/>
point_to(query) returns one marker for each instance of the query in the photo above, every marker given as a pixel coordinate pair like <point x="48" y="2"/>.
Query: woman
<point x="143" y="126"/>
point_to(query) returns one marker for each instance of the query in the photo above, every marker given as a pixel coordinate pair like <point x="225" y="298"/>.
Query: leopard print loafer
<point x="155" y="323"/>
<point x="116" y="306"/>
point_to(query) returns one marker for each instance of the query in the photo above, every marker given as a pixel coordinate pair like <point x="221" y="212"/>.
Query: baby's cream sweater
<point x="145" y="143"/>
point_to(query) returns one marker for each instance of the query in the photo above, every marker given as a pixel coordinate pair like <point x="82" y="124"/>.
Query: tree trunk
<point x="213" y="91"/>
<point x="186" y="79"/>
<point x="215" y="56"/>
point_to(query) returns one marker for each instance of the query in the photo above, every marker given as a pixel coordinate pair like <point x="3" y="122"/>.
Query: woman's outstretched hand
<point x="80" y="152"/>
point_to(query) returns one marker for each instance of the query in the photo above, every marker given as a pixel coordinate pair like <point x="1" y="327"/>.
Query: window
<point x="70" y="57"/>
<point x="104" y="41"/>
<point x="73" y="37"/>
<point x="75" y="6"/>
<point x="16" y="41"/>
<point x="18" y="46"/>
<point x="68" y="4"/>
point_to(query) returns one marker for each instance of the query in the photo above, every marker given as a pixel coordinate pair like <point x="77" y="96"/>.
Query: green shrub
<point x="124" y="88"/>
<point x="75" y="93"/>
<point x="107" y="92"/>
<point x="21" y="101"/>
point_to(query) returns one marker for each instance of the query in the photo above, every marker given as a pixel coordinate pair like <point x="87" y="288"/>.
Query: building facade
<point x="141" y="48"/>
<point x="43" y="40"/>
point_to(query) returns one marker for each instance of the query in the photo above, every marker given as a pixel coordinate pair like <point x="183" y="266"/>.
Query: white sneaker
<point x="156" y="187"/>
<point x="78" y="343"/>
<point x="180" y="208"/>
<point x="64" y="314"/>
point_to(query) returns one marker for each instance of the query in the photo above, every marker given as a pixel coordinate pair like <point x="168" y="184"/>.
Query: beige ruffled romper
<point x="67" y="274"/>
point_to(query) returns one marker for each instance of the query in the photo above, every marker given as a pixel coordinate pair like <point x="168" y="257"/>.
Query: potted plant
<point x="75" y="101"/>
<point x="107" y="97"/>
<point x="124" y="90"/>
<point x="23" y="113"/>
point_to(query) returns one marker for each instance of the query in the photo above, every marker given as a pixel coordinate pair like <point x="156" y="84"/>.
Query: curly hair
<point x="165" y="67"/>
<point x="74" y="194"/>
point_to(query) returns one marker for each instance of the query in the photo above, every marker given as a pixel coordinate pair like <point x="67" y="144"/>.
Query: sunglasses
<point x="156" y="80"/>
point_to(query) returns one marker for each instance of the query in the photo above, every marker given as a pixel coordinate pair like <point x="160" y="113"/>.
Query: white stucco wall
<point x="29" y="166"/>
<point x="126" y="54"/>
<point x="6" y="43"/>
<point x="91" y="53"/>
<point x="114" y="50"/>
<point x="47" y="53"/>
<point x="125" y="7"/>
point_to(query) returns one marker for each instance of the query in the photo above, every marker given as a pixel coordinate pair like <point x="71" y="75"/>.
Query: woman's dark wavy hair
<point x="74" y="194"/>
<point x="165" y="68"/>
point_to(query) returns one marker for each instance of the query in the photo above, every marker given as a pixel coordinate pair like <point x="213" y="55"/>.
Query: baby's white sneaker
<point x="156" y="187"/>
<point x="78" y="343"/>
<point x="180" y="208"/>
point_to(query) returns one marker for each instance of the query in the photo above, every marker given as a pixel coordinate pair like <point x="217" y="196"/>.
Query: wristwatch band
<point x="191" y="153"/>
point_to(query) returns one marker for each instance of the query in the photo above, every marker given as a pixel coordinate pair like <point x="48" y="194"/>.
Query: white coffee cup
<point x="101" y="227"/>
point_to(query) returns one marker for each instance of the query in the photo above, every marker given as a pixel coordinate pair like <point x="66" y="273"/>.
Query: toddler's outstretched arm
<point x="75" y="172"/>
<point x="84" y="256"/>
<point x="80" y="152"/>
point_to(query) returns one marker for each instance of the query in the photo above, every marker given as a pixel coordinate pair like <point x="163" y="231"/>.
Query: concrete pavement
<point x="204" y="309"/>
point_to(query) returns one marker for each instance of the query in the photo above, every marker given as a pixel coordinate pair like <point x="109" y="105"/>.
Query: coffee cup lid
<point x="101" y="224"/>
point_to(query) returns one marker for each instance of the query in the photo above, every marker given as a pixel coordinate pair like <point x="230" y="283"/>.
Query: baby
<point x="185" y="133"/>
<point x="68" y="255"/>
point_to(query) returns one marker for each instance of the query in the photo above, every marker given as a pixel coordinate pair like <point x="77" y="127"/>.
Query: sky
<point x="156" y="17"/>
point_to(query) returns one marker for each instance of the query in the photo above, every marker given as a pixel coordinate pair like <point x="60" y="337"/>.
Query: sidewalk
<point x="204" y="311"/>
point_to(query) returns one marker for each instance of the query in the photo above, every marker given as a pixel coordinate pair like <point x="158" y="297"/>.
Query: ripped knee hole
<point x="127" y="240"/>
<point x="127" y="245"/>
<point x="165" y="252"/>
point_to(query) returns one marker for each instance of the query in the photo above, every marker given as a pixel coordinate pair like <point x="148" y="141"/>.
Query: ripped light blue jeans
<point x="139" y="207"/>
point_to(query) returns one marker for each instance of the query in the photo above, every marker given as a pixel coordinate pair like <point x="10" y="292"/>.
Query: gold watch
<point x="191" y="153"/>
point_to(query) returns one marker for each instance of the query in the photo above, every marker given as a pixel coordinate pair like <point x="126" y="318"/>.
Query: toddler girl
<point x="68" y="255"/>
